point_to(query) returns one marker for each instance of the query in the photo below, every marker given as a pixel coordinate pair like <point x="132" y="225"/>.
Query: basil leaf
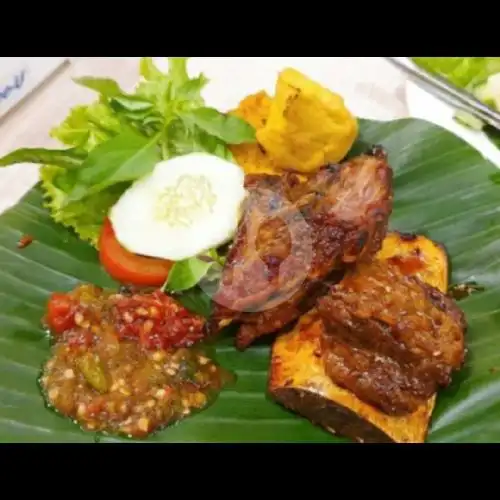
<point x="104" y="86"/>
<point x="177" y="70"/>
<point x="134" y="108"/>
<point x="190" y="92"/>
<point x="124" y="158"/>
<point x="183" y="140"/>
<point x="228" y="128"/>
<point x="66" y="158"/>
<point x="196" y="301"/>
<point x="131" y="103"/>
<point x="185" y="274"/>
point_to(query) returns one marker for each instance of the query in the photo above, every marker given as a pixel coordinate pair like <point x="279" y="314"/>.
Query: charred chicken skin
<point x="294" y="235"/>
<point x="389" y="338"/>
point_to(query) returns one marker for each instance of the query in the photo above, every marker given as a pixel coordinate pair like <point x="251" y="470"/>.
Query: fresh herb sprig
<point x="121" y="136"/>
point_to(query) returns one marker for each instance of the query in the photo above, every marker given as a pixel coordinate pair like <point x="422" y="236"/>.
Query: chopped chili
<point x="408" y="265"/>
<point x="24" y="241"/>
<point x="155" y="319"/>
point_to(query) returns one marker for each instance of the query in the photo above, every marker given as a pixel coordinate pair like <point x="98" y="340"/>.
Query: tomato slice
<point x="127" y="267"/>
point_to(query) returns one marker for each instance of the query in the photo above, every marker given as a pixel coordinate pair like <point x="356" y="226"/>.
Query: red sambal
<point x="155" y="319"/>
<point x="123" y="362"/>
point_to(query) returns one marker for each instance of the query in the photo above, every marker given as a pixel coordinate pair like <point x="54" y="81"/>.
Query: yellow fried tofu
<point x="308" y="125"/>
<point x="298" y="380"/>
<point x="254" y="109"/>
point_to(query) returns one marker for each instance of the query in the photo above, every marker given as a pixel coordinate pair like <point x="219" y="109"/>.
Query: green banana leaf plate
<point x="443" y="188"/>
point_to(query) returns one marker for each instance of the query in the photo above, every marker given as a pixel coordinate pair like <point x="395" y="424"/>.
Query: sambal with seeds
<point x="126" y="364"/>
<point x="154" y="318"/>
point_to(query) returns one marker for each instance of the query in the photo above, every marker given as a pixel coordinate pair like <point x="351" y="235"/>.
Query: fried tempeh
<point x="294" y="235"/>
<point x="299" y="381"/>
<point x="389" y="338"/>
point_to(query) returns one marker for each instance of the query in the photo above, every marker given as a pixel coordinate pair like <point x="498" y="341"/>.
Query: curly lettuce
<point x="87" y="126"/>
<point x="85" y="218"/>
<point x="84" y="128"/>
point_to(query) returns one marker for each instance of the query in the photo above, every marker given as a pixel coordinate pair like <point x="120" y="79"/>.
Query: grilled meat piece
<point x="390" y="339"/>
<point x="255" y="325"/>
<point x="294" y="234"/>
<point x="269" y="233"/>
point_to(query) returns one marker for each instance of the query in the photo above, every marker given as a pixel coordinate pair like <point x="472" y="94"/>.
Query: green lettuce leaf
<point x="186" y="274"/>
<point x="105" y="86"/>
<point x="85" y="218"/>
<point x="148" y="69"/>
<point x="478" y="75"/>
<point x="84" y="128"/>
<point x="87" y="126"/>
<point x="464" y="72"/>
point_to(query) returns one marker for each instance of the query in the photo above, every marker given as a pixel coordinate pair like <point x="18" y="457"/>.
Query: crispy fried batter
<point x="308" y="126"/>
<point x="293" y="235"/>
<point x="251" y="156"/>
<point x="391" y="339"/>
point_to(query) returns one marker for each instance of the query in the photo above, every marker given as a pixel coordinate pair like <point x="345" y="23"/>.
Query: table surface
<point x="375" y="88"/>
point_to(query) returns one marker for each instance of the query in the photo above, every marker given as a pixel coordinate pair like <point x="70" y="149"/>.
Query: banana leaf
<point x="443" y="188"/>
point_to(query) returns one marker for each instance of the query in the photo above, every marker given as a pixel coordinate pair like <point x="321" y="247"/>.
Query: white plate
<point x="423" y="105"/>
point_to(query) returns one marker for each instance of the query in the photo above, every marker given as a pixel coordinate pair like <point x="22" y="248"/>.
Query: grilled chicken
<point x="294" y="235"/>
<point x="390" y="339"/>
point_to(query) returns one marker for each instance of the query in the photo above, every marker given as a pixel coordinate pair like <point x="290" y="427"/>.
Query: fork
<point x="446" y="91"/>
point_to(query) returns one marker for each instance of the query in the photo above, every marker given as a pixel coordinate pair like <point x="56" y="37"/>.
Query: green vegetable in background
<point x="121" y="136"/>
<point x="464" y="72"/>
<point x="478" y="75"/>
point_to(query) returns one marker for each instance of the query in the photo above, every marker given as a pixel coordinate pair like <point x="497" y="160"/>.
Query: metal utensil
<point x="447" y="92"/>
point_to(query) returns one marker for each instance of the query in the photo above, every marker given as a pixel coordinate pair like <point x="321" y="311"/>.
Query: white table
<point x="370" y="86"/>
